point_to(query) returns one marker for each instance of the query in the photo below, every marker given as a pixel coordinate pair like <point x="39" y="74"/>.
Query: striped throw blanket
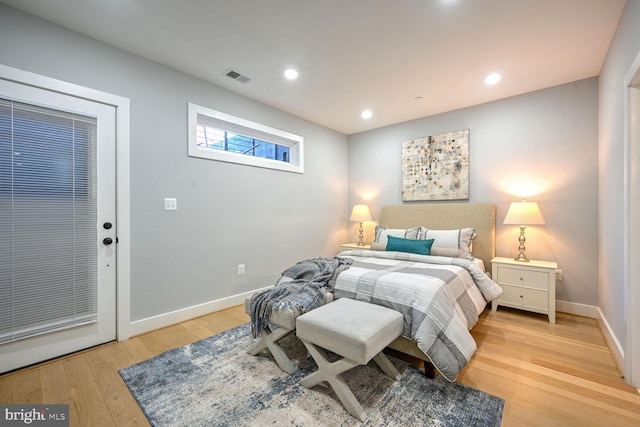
<point x="301" y="288"/>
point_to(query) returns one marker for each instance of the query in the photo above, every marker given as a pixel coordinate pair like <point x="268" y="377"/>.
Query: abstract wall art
<point x="436" y="167"/>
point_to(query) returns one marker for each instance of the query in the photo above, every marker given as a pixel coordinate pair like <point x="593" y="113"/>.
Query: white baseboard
<point x="612" y="342"/>
<point x="578" y="309"/>
<point x="167" y="319"/>
<point x="595" y="313"/>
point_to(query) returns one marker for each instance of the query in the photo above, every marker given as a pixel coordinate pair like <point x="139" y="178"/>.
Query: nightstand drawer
<point x="521" y="277"/>
<point x="521" y="297"/>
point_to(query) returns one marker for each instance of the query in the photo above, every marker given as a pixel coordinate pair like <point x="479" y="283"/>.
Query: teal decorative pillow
<point x="420" y="247"/>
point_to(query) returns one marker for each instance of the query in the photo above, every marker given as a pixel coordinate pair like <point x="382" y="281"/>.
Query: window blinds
<point x="48" y="216"/>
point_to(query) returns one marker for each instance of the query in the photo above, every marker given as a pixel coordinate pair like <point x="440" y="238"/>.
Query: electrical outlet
<point x="559" y="274"/>
<point x="170" y="204"/>
<point x="240" y="268"/>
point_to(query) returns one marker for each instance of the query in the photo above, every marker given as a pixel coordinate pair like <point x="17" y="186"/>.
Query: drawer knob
<point x="522" y="279"/>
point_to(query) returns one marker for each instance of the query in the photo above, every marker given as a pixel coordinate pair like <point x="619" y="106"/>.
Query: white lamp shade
<point x="360" y="213"/>
<point x="524" y="213"/>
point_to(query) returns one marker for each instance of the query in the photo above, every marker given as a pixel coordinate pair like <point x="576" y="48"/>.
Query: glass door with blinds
<point x="57" y="224"/>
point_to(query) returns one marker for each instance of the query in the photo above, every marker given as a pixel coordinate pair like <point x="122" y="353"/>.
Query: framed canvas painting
<point x="436" y="167"/>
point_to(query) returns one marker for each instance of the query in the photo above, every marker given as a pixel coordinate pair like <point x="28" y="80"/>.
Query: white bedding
<point x="479" y="263"/>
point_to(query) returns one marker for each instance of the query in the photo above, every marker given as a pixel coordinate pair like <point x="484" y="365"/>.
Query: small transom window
<point x="219" y="136"/>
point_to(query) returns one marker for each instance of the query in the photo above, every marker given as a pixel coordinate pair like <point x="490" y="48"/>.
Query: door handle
<point x="107" y="241"/>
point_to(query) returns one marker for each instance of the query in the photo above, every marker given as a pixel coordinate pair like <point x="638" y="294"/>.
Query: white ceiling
<point x="356" y="54"/>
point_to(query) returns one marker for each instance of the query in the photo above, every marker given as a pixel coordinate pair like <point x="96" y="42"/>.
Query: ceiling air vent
<point x="237" y="76"/>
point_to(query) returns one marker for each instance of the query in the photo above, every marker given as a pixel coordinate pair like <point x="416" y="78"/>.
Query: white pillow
<point x="447" y="242"/>
<point x="450" y="252"/>
<point x="380" y="240"/>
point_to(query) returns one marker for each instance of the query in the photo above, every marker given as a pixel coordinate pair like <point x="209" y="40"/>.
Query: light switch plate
<point x="170" y="204"/>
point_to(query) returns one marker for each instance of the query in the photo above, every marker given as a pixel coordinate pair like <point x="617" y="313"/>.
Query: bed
<point x="362" y="281"/>
<point x="445" y="295"/>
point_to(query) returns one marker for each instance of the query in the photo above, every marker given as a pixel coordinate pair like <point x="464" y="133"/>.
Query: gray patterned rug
<point x="214" y="382"/>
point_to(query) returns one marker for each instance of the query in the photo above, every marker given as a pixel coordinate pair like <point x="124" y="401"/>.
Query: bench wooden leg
<point x="270" y="341"/>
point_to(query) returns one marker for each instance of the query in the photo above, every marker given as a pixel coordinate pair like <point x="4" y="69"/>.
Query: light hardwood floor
<point x="549" y="375"/>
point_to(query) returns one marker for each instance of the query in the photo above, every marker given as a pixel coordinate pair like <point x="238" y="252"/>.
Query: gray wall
<point x="622" y="52"/>
<point x="227" y="214"/>
<point x="230" y="214"/>
<point x="543" y="143"/>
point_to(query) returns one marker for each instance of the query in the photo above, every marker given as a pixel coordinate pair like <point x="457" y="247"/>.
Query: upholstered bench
<point x="286" y="322"/>
<point x="357" y="331"/>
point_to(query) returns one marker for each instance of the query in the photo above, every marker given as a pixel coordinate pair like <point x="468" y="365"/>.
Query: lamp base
<point x="361" y="241"/>
<point x="521" y="256"/>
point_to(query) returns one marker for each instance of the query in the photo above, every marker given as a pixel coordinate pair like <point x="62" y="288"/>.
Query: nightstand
<point x="352" y="246"/>
<point x="527" y="285"/>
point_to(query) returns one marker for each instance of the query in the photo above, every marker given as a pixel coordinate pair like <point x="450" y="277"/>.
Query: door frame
<point x="632" y="222"/>
<point x="123" y="220"/>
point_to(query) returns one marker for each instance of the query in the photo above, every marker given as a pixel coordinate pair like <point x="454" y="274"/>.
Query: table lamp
<point x="360" y="213"/>
<point x="522" y="214"/>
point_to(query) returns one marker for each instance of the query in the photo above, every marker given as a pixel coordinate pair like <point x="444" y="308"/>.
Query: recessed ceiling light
<point x="492" y="79"/>
<point x="291" y="74"/>
<point x="366" y="114"/>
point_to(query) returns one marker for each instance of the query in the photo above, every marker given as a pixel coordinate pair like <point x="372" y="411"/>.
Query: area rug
<point x="214" y="382"/>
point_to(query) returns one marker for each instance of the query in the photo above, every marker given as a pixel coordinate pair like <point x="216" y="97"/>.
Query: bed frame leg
<point x="429" y="370"/>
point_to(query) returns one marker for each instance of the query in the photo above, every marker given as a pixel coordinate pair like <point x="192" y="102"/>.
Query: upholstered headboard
<point x="447" y="216"/>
